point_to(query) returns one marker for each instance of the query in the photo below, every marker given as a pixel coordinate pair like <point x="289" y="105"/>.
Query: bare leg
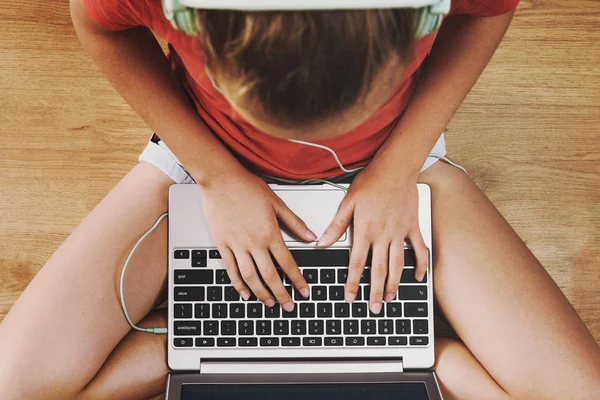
<point x="501" y="302"/>
<point x="68" y="320"/>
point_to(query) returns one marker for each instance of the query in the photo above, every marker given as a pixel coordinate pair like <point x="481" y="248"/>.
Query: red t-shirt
<point x="258" y="150"/>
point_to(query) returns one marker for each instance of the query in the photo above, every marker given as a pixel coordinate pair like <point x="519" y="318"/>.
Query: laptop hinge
<point x="300" y="366"/>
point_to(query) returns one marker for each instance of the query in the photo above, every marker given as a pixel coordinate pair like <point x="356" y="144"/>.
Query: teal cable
<point x="160" y="331"/>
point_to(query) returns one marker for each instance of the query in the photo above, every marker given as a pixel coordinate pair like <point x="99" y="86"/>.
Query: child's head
<point x="306" y="74"/>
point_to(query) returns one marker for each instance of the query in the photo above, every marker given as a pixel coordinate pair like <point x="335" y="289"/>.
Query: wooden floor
<point x="528" y="134"/>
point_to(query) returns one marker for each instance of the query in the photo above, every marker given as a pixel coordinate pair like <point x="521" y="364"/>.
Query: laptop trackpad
<point x="316" y="207"/>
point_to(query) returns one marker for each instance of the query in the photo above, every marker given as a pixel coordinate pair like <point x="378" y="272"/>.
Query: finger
<point x="339" y="224"/>
<point x="288" y="265"/>
<point x="358" y="258"/>
<point x="234" y="272"/>
<point x="379" y="269"/>
<point x="421" y="253"/>
<point x="271" y="277"/>
<point x="293" y="222"/>
<point x="396" y="261"/>
<point x="250" y="276"/>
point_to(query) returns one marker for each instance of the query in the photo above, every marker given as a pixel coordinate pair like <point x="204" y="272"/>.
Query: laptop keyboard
<point x="208" y="312"/>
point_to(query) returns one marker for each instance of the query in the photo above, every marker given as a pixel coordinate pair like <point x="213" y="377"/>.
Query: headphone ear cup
<point x="426" y="22"/>
<point x="180" y="17"/>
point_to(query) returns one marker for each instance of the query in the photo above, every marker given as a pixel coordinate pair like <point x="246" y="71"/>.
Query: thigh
<point x="499" y="299"/>
<point x="69" y="319"/>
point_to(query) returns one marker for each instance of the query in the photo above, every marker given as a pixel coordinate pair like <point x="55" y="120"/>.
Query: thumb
<point x="339" y="224"/>
<point x="294" y="223"/>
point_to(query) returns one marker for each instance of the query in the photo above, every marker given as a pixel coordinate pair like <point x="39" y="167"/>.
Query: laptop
<point x="222" y="347"/>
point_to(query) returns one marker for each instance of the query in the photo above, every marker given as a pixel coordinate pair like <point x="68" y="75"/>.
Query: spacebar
<point x="322" y="257"/>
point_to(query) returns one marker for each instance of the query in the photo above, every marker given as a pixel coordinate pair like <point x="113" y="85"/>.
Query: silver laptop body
<point x="217" y="341"/>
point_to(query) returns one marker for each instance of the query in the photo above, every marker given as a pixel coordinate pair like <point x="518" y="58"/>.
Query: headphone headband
<point x="431" y="14"/>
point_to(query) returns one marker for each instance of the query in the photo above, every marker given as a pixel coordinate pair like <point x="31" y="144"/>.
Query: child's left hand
<point x="383" y="203"/>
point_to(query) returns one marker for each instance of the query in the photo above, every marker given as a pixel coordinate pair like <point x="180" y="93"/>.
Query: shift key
<point x="194" y="277"/>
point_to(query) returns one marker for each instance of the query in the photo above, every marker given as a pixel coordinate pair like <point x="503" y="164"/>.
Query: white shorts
<point x="158" y="154"/>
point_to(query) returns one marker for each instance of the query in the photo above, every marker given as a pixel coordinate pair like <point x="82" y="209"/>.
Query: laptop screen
<point x="314" y="391"/>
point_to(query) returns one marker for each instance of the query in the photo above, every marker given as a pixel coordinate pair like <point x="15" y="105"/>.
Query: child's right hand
<point x="243" y="218"/>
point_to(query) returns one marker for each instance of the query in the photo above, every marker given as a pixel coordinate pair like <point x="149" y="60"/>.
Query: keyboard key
<point x="222" y="277"/>
<point x="181" y="254"/>
<point x="413" y="292"/>
<point x="291" y="314"/>
<point x="298" y="327"/>
<point x="219" y="310"/>
<point x="211" y="328"/>
<point x="198" y="262"/>
<point x="194" y="277"/>
<point x="214" y="254"/>
<point x="228" y="328"/>
<point x="269" y="342"/>
<point x="311" y="275"/>
<point x="319" y="293"/>
<point x="410" y="259"/>
<point x="237" y="310"/>
<point x="376" y="341"/>
<point x="199" y="254"/>
<point x="226" y="342"/>
<point x="186" y="328"/>
<point x="263" y="328"/>
<point x="299" y="297"/>
<point x="359" y="310"/>
<point x="394" y="309"/>
<point x="281" y="327"/>
<point x="248" y="342"/>
<point x="205" y="342"/>
<point x="183" y="342"/>
<point x="359" y="294"/>
<point x="324" y="310"/>
<point x="202" y="311"/>
<point x="290" y="341"/>
<point x="420" y="327"/>
<point x="321" y="257"/>
<point x="188" y="293"/>
<point x="231" y="294"/>
<point x="327" y="275"/>
<point x="289" y="289"/>
<point x="367" y="293"/>
<point x="333" y="327"/>
<point x="336" y="293"/>
<point x="214" y="293"/>
<point x="403" y="327"/>
<point x="334" y="341"/>
<point x="380" y="315"/>
<point x="307" y="310"/>
<point x="315" y="327"/>
<point x="255" y="310"/>
<point x="342" y="310"/>
<point x="366" y="276"/>
<point x="397" y="341"/>
<point x="182" y="311"/>
<point x="351" y="327"/>
<point x="355" y="341"/>
<point x="418" y="310"/>
<point x="246" y="328"/>
<point x="272" y="312"/>
<point x="408" y="276"/>
<point x="342" y="275"/>
<point x="386" y="327"/>
<point x="419" y="341"/>
<point x="368" y="327"/>
<point x="312" y="341"/>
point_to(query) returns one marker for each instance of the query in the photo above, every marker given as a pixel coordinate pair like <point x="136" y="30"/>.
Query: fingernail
<point x="350" y="297"/>
<point x="376" y="308"/>
<point x="389" y="297"/>
<point x="311" y="235"/>
<point x="420" y="277"/>
<point x="324" y="239"/>
<point x="245" y="295"/>
<point x="305" y="293"/>
<point x="269" y="302"/>
<point x="289" y="306"/>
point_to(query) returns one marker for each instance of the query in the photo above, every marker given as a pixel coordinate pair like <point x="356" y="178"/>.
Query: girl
<point x="223" y="106"/>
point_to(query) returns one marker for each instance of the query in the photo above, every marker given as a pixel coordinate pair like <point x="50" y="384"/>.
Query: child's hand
<point x="242" y="214"/>
<point x="384" y="206"/>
